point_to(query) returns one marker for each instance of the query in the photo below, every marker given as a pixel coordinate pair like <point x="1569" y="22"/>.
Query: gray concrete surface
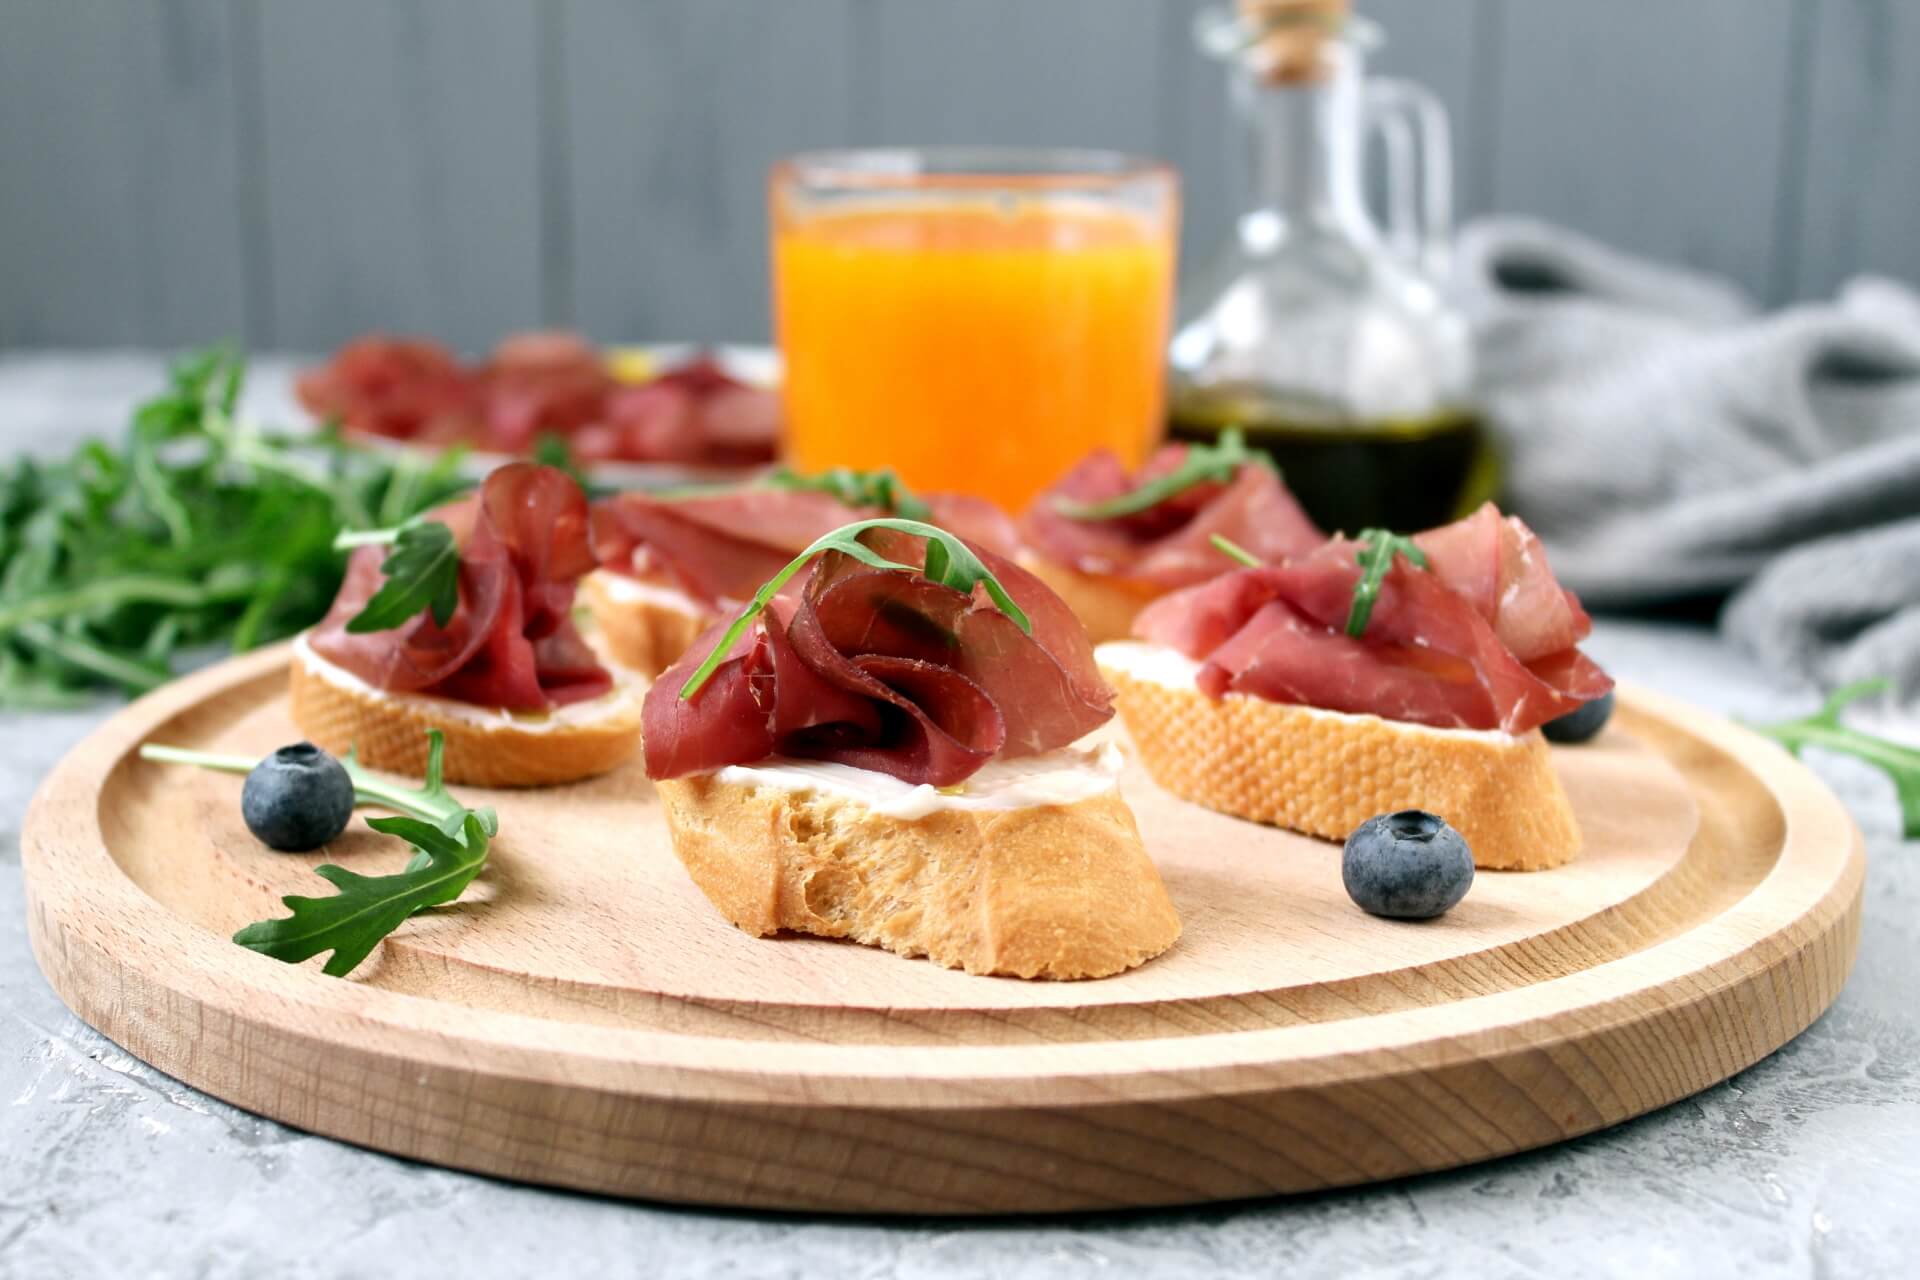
<point x="1807" y="1164"/>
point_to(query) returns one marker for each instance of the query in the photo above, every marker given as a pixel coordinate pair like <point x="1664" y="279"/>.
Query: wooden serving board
<point x="586" y="1019"/>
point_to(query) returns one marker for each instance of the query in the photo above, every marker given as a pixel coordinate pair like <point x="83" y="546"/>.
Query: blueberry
<point x="1406" y="866"/>
<point x="297" y="799"/>
<point x="1582" y="724"/>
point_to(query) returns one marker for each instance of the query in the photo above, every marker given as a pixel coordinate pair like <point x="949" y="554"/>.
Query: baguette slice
<point x="646" y="627"/>
<point x="1326" y="772"/>
<point x="484" y="748"/>
<point x="1106" y="607"/>
<point x="1048" y="891"/>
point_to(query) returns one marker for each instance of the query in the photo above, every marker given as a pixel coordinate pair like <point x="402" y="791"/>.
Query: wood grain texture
<point x="674" y="114"/>
<point x="1861" y="183"/>
<point x="587" y="1020"/>
<point x="402" y="169"/>
<point x="1661" y="128"/>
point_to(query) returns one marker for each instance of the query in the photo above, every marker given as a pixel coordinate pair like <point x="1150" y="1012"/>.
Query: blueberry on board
<point x="1407" y="866"/>
<point x="1580" y="725"/>
<point x="297" y="799"/>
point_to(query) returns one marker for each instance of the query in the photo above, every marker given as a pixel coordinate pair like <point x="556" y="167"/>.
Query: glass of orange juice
<point x="976" y="319"/>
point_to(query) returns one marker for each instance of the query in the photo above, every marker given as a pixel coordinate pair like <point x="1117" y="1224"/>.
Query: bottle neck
<point x="1303" y="150"/>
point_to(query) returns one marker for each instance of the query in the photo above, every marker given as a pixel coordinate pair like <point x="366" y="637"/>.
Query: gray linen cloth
<point x="1668" y="440"/>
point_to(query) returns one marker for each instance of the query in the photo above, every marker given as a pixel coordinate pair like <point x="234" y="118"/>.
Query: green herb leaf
<point x="366" y="909"/>
<point x="1216" y="462"/>
<point x="423" y="573"/>
<point x="1378" y="547"/>
<point x="1234" y="551"/>
<point x="1898" y="761"/>
<point x="949" y="562"/>
<point x="552" y="450"/>
<point x="202" y="531"/>
<point x="452" y="841"/>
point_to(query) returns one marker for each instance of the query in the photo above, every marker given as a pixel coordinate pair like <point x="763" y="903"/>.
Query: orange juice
<point x="973" y="343"/>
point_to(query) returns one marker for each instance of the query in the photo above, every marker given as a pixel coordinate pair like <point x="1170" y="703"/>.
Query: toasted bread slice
<point x="485" y="747"/>
<point x="1106" y="607"/>
<point x="1326" y="772"/>
<point x="1042" y="891"/>
<point x="646" y="626"/>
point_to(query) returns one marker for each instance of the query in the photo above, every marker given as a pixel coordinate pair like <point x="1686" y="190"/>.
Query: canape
<point x="673" y="564"/>
<point x="462" y="622"/>
<point x="1367" y="676"/>
<point x="1110" y="542"/>
<point x="889" y="756"/>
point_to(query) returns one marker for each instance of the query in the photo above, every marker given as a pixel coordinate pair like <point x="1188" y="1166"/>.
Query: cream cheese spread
<point x="1171" y="669"/>
<point x="1060" y="777"/>
<point x="626" y="691"/>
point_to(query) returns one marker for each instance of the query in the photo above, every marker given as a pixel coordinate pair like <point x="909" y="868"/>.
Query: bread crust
<point x="1324" y="775"/>
<point x="1051" y="891"/>
<point x="390" y="733"/>
<point x="1106" y="606"/>
<point x="646" y="636"/>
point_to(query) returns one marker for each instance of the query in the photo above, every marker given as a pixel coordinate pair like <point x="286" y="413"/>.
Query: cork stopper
<point x="1289" y="36"/>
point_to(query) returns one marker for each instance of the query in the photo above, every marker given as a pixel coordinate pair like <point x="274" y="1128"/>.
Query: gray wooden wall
<point x="294" y="171"/>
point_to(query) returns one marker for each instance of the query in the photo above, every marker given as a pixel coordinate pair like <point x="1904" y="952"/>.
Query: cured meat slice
<point x="720" y="547"/>
<point x="403" y="388"/>
<point x="716" y="548"/>
<point x="1432" y="652"/>
<point x="886" y="670"/>
<point x="1168" y="545"/>
<point x="511" y="641"/>
<point x="535" y="384"/>
<point x="1498" y="565"/>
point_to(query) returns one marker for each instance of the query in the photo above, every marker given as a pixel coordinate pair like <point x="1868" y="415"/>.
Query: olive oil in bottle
<point x="1403" y="474"/>
<point x="1327" y="334"/>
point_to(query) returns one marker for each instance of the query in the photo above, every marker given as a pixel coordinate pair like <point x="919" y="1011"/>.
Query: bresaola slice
<point x="544" y="383"/>
<point x="720" y="547"/>
<point x="717" y="548"/>
<point x="884" y="670"/>
<point x="1437" y="650"/>
<point x="511" y="642"/>
<point x="1499" y="566"/>
<point x="1168" y="545"/>
<point x="402" y="388"/>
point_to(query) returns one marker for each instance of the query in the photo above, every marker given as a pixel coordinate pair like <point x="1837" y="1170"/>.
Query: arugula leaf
<point x="1203" y="462"/>
<point x="1378" y="547"/>
<point x="70" y="647"/>
<point x="415" y="486"/>
<point x="452" y="841"/>
<point x="550" y="449"/>
<point x="423" y="573"/>
<point x="1234" y="551"/>
<point x="368" y="908"/>
<point x="1898" y="761"/>
<point x="949" y="562"/>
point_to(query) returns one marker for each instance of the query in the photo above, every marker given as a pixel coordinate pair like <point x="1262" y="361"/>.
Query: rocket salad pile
<point x="201" y="532"/>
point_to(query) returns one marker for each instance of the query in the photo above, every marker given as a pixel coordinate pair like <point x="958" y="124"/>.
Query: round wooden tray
<point x="586" y="1019"/>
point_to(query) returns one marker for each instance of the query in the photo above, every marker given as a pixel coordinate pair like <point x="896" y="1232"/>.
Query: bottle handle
<point x="1419" y="150"/>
